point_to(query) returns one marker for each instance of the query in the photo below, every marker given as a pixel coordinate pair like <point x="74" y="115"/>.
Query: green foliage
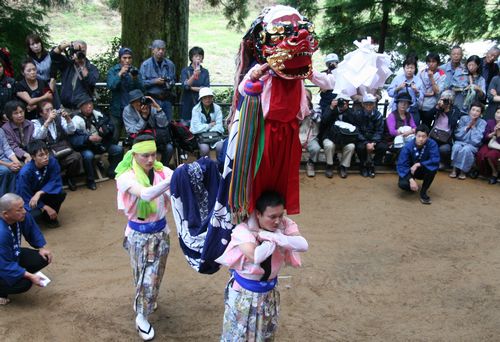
<point x="223" y="97"/>
<point x="17" y="20"/>
<point x="235" y="11"/>
<point x="113" y="4"/>
<point x="104" y="62"/>
<point x="416" y="26"/>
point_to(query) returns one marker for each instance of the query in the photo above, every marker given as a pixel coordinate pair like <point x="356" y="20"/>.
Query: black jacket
<point x="370" y="126"/>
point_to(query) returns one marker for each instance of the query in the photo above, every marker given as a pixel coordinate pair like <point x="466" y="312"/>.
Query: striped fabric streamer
<point x="249" y="148"/>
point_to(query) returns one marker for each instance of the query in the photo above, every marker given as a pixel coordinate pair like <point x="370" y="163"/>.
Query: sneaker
<point x="329" y="171"/>
<point x="462" y="176"/>
<point x="493" y="180"/>
<point x="453" y="174"/>
<point x="425" y="199"/>
<point x="310" y="170"/>
<point x="371" y="172"/>
<point x="342" y="171"/>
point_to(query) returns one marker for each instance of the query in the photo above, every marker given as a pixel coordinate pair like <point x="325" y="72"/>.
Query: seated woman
<point x="32" y="90"/>
<point x="489" y="153"/>
<point x="18" y="130"/>
<point x="468" y="138"/>
<point x="7" y="87"/>
<point x="400" y="124"/>
<point x="468" y="84"/>
<point x="207" y="117"/>
<point x="9" y="166"/>
<point x="53" y="128"/>
<point x="445" y="116"/>
<point x="193" y="78"/>
<point x="259" y="248"/>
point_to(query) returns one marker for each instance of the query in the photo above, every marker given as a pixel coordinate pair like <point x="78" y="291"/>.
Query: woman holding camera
<point x="445" y="116"/>
<point x="53" y="127"/>
<point x="32" y="90"/>
<point x="488" y="155"/>
<point x="193" y="78"/>
<point x="18" y="130"/>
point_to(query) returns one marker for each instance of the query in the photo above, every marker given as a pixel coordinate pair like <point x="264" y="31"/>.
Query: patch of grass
<point x="95" y="23"/>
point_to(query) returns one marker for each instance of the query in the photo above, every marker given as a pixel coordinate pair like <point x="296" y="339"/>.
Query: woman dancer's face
<point x="145" y="160"/>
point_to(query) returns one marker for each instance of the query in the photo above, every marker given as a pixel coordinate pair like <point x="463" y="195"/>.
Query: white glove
<point x="151" y="192"/>
<point x="294" y="243"/>
<point x="263" y="251"/>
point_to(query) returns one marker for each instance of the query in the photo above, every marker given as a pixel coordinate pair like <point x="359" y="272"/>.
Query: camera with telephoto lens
<point x="169" y="83"/>
<point x="145" y="100"/>
<point x="341" y="102"/>
<point x="133" y="71"/>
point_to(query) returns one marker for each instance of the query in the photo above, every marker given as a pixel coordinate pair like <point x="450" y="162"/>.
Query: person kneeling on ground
<point x="259" y="247"/>
<point x="40" y="185"/>
<point x="18" y="265"/>
<point x="94" y="136"/>
<point x="418" y="159"/>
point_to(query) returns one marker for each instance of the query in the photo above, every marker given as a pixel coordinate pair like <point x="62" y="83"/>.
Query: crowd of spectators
<point x="458" y="102"/>
<point x="448" y="98"/>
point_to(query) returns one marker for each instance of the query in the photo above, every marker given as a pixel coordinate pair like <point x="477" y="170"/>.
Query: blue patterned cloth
<point x="199" y="200"/>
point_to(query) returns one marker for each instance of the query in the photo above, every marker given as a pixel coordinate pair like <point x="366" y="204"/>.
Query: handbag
<point x="209" y="138"/>
<point x="61" y="149"/>
<point x="440" y="135"/>
<point x="344" y="133"/>
<point x="493" y="144"/>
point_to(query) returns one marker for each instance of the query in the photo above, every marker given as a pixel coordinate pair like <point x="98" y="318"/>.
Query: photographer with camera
<point x="144" y="115"/>
<point x="54" y="127"/>
<point x="122" y="78"/>
<point x="78" y="75"/>
<point x="331" y="134"/>
<point x="327" y="95"/>
<point x="445" y="116"/>
<point x="94" y="136"/>
<point x="158" y="76"/>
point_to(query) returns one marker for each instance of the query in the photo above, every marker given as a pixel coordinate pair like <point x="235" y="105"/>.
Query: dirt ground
<point x="380" y="267"/>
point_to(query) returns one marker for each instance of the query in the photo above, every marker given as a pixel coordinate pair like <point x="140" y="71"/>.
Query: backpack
<point x="182" y="137"/>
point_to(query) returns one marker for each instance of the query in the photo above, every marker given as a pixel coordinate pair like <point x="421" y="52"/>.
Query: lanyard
<point x="419" y="153"/>
<point x="16" y="242"/>
<point x="41" y="175"/>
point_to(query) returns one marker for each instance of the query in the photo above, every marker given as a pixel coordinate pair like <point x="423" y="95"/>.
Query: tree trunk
<point x="146" y="20"/>
<point x="383" y="26"/>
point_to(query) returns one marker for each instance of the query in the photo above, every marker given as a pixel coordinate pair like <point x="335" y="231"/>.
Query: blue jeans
<point x="115" y="155"/>
<point x="7" y="179"/>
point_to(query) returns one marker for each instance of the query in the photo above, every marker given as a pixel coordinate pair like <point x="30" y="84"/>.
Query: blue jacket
<point x="10" y="270"/>
<point x="427" y="156"/>
<point x="120" y="86"/>
<point x="150" y="70"/>
<point x="28" y="181"/>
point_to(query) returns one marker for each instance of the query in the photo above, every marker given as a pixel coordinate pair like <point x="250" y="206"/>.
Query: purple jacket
<point x="14" y="138"/>
<point x="490" y="127"/>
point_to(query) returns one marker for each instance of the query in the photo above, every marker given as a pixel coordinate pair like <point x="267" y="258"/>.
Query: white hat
<point x="343" y="96"/>
<point x="331" y="57"/>
<point x="369" y="98"/>
<point x="205" y="91"/>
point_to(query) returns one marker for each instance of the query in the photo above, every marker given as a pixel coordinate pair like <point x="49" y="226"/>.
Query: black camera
<point x="76" y="53"/>
<point x="169" y="84"/>
<point x="145" y="100"/>
<point x="133" y="71"/>
<point x="341" y="102"/>
<point x="446" y="101"/>
<point x="102" y="128"/>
